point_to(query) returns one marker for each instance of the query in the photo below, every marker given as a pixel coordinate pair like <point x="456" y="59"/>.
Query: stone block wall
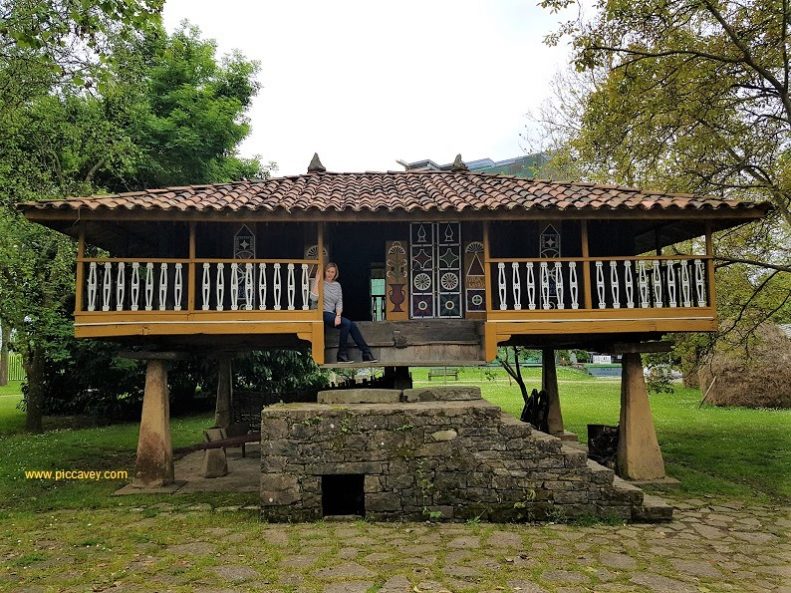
<point x="437" y="453"/>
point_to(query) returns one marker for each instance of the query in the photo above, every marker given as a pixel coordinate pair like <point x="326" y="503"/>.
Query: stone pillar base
<point x="549" y="383"/>
<point x="639" y="456"/>
<point x="154" y="465"/>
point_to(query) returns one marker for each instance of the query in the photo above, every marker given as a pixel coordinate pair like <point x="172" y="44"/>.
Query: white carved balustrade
<point x="616" y="283"/>
<point x="262" y="285"/>
<point x="219" y="285"/>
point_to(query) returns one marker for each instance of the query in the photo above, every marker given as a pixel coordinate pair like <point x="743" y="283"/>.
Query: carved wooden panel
<point x="421" y="270"/>
<point x="474" y="280"/>
<point x="435" y="261"/>
<point x="312" y="252"/>
<point x="549" y="247"/>
<point x="397" y="280"/>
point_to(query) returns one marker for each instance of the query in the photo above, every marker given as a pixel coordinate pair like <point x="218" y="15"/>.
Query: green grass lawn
<point x="730" y="452"/>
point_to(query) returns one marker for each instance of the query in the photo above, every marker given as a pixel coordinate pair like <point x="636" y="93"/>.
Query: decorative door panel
<point x="397" y="280"/>
<point x="435" y="270"/>
<point x="422" y="256"/>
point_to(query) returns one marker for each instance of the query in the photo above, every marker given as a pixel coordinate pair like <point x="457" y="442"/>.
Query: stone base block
<point x="442" y="394"/>
<point x="360" y="396"/>
<point x="444" y="454"/>
<point x="653" y="510"/>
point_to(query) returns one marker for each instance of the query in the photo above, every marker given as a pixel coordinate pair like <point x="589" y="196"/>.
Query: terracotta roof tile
<point x="410" y="191"/>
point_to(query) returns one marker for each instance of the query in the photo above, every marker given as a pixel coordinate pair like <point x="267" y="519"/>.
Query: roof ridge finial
<point x="458" y="164"/>
<point x="315" y="165"/>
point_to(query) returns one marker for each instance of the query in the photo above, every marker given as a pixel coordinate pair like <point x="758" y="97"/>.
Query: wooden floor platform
<point x="435" y="342"/>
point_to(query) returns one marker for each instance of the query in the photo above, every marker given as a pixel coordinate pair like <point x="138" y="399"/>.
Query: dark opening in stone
<point x="343" y="494"/>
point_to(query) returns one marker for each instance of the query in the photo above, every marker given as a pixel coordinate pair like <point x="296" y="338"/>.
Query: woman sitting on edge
<point x="333" y="307"/>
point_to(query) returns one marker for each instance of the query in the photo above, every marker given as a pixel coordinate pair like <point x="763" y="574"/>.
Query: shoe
<point x="342" y="358"/>
<point x="368" y="357"/>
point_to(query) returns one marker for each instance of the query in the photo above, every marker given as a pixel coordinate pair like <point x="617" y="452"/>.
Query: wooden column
<point x="317" y="340"/>
<point x="489" y="327"/>
<point x="154" y="466"/>
<point x="639" y="456"/>
<point x="487" y="266"/>
<point x="712" y="300"/>
<point x="549" y="383"/>
<point x="80" y="281"/>
<point x="320" y="275"/>
<point x="222" y="411"/>
<point x="191" y="279"/>
<point x="586" y="268"/>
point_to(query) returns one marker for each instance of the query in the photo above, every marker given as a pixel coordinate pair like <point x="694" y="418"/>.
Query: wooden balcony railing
<point x="652" y="282"/>
<point x="193" y="285"/>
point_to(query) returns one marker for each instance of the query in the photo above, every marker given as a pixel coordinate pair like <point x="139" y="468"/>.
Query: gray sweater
<point x="333" y="296"/>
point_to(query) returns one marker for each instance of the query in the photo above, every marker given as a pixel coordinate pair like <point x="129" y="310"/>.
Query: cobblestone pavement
<point x="709" y="547"/>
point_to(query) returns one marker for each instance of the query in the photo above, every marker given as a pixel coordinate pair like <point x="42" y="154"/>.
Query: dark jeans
<point x="346" y="327"/>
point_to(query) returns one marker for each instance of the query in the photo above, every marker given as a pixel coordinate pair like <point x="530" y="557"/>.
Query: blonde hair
<point x="333" y="265"/>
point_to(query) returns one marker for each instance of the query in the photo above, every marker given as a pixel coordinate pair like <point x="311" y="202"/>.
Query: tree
<point x="697" y="95"/>
<point x="690" y="97"/>
<point x="164" y="112"/>
<point x="45" y="44"/>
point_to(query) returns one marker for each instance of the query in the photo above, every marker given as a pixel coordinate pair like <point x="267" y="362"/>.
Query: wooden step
<point x="435" y="342"/>
<point x="414" y="333"/>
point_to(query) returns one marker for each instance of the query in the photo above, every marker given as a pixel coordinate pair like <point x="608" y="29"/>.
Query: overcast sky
<point x="364" y="83"/>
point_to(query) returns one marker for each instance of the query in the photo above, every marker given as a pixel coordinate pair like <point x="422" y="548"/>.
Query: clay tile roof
<point x="408" y="191"/>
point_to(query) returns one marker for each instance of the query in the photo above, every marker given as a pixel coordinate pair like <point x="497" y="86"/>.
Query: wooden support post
<point x="80" y="269"/>
<point x="222" y="411"/>
<point x="400" y="377"/>
<point x="639" y="456"/>
<point x="191" y="279"/>
<point x="154" y="466"/>
<point x="317" y="340"/>
<point x="320" y="272"/>
<point x="586" y="266"/>
<point x="712" y="300"/>
<point x="549" y="383"/>
<point x="487" y="271"/>
<point x="489" y="328"/>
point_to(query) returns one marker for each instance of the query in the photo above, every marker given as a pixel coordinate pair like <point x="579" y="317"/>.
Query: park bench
<point x="443" y="372"/>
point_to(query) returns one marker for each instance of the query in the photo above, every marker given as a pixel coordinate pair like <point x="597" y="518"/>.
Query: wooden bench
<point x="443" y="372"/>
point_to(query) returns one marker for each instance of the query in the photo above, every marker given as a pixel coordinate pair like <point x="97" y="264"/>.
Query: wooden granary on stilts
<point x="437" y="267"/>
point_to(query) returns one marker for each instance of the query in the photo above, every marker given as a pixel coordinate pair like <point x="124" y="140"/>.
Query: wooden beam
<point x="638" y="347"/>
<point x="80" y="268"/>
<point x="355" y="216"/>
<point x="152" y="355"/>
<point x="586" y="270"/>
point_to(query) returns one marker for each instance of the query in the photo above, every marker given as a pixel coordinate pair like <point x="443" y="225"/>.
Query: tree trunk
<point x="5" y="336"/>
<point x="33" y="361"/>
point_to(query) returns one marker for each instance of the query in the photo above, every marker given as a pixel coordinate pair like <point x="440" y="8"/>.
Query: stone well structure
<point x="441" y="453"/>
